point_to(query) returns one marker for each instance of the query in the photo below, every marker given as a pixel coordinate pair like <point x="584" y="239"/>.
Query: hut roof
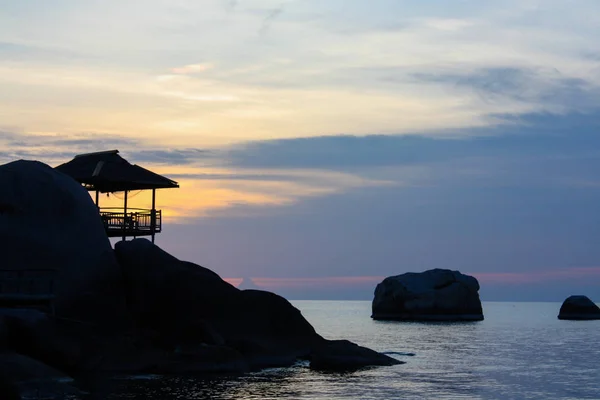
<point x="107" y="171"/>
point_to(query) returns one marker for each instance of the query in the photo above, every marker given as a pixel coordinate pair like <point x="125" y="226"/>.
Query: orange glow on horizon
<point x="233" y="281"/>
<point x="205" y="190"/>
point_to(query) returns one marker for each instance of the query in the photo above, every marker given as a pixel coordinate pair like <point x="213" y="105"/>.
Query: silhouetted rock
<point x="343" y="355"/>
<point x="3" y="333"/>
<point x="48" y="221"/>
<point x="186" y="303"/>
<point x="434" y="295"/>
<point x="579" y="308"/>
<point x="8" y="389"/>
<point x="135" y="309"/>
<point x="193" y="310"/>
<point x="24" y="377"/>
<point x="41" y="336"/>
<point x="19" y="368"/>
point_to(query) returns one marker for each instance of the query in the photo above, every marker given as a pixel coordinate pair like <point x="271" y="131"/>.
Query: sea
<point x="520" y="351"/>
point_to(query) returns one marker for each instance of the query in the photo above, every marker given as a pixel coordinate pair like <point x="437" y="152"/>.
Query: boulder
<point x="434" y="295"/>
<point x="203" y="358"/>
<point x="24" y="377"/>
<point x="8" y="389"/>
<point x="43" y="337"/>
<point x="4" y="343"/>
<point x="197" y="315"/>
<point x="16" y="368"/>
<point x="188" y="304"/>
<point x="48" y="221"/>
<point x="579" y="308"/>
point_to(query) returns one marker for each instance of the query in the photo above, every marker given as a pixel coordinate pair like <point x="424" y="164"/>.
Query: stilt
<point x="153" y="215"/>
<point x="125" y="216"/>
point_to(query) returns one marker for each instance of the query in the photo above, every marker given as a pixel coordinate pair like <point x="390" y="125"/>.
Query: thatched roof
<point x="107" y="171"/>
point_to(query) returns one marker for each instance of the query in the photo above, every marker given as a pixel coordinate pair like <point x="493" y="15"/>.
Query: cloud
<point x="269" y="19"/>
<point x="517" y="203"/>
<point x="53" y="148"/>
<point x="282" y="283"/>
<point x="172" y="156"/>
<point x="20" y="52"/>
<point x="544" y="87"/>
<point x="515" y="286"/>
<point x="485" y="278"/>
<point x="509" y="228"/>
<point x="231" y="5"/>
<point x="191" y="69"/>
<point x="497" y="172"/>
<point x="537" y="277"/>
<point x="514" y="137"/>
<point x="513" y="203"/>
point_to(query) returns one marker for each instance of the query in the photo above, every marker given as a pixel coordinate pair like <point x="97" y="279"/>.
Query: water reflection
<point x="519" y="351"/>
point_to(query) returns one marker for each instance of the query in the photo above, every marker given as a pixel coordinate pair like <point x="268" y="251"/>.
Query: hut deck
<point x="27" y="288"/>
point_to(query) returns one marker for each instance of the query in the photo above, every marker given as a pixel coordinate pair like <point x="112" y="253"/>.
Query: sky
<point x="324" y="145"/>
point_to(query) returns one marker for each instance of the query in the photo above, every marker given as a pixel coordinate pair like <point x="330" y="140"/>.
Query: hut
<point x="108" y="172"/>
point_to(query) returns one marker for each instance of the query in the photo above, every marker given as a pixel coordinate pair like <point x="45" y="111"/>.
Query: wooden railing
<point x="27" y="288"/>
<point x="136" y="222"/>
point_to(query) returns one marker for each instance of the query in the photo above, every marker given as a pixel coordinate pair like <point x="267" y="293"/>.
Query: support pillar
<point x="125" y="217"/>
<point x="153" y="215"/>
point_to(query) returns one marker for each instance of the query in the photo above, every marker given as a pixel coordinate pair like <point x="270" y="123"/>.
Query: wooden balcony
<point x="108" y="172"/>
<point x="27" y="288"/>
<point x="135" y="222"/>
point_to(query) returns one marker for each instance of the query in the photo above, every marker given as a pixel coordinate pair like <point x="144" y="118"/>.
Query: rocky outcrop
<point x="186" y="305"/>
<point x="343" y="355"/>
<point x="17" y="368"/>
<point x="9" y="389"/>
<point x="434" y="295"/>
<point x="48" y="221"/>
<point x="579" y="308"/>
<point x="136" y="309"/>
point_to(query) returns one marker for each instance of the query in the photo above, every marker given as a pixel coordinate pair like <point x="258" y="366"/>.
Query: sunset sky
<point x="323" y="145"/>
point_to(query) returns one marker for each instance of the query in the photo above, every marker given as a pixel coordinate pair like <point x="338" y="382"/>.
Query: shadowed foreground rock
<point x="434" y="295"/>
<point x="8" y="389"/>
<point x="579" y="308"/>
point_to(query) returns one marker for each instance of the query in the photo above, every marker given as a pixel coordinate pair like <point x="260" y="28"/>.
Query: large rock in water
<point x="187" y="305"/>
<point x="434" y="295"/>
<point x="579" y="308"/>
<point x="49" y="221"/>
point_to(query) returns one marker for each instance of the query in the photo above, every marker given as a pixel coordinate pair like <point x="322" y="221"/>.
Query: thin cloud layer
<point x="327" y="138"/>
<point x="220" y="72"/>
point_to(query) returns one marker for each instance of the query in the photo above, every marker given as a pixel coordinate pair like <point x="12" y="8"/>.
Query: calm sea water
<point x="520" y="351"/>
